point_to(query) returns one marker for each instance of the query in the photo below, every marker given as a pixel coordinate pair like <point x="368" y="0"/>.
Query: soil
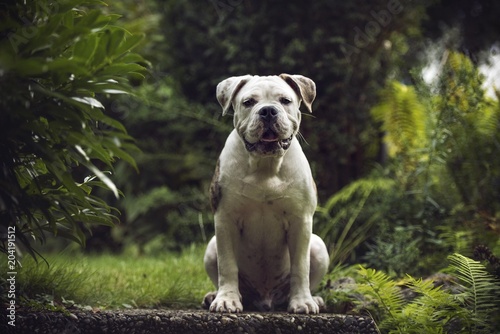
<point x="175" y="321"/>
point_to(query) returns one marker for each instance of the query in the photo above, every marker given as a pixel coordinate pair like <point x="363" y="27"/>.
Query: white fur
<point x="263" y="220"/>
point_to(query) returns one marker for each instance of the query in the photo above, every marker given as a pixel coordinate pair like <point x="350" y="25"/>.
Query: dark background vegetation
<point x="407" y="172"/>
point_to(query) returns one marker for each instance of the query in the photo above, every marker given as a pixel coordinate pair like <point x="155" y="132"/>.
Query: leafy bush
<point x="59" y="62"/>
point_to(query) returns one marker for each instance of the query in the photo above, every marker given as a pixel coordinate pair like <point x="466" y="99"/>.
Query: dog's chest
<point x="263" y="191"/>
<point x="263" y="254"/>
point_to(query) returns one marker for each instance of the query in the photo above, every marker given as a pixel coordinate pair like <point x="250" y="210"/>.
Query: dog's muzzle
<point x="268" y="147"/>
<point x="269" y="142"/>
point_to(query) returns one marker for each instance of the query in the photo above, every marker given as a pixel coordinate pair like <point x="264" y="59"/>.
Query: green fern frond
<point x="403" y="118"/>
<point x="359" y="189"/>
<point x="482" y="289"/>
<point x="381" y="289"/>
<point x="434" y="307"/>
<point x="487" y="122"/>
<point x="343" y="211"/>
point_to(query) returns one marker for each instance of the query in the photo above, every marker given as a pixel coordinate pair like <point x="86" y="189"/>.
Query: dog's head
<point x="266" y="109"/>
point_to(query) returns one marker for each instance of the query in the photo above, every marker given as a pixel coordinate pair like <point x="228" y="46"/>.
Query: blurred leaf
<point x="93" y="103"/>
<point x="116" y="38"/>
<point x="85" y="48"/>
<point x="122" y="68"/>
<point x="129" y="43"/>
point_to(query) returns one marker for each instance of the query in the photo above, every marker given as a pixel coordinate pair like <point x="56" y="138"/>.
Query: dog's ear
<point x="304" y="87"/>
<point x="227" y="90"/>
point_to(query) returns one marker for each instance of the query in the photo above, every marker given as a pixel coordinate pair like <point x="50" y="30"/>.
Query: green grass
<point x="117" y="281"/>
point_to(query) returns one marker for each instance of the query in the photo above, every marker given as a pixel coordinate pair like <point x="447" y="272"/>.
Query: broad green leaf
<point x="100" y="52"/>
<point x="93" y="149"/>
<point x="115" y="149"/>
<point x="90" y="19"/>
<point x="30" y="67"/>
<point x="131" y="57"/>
<point x="85" y="48"/>
<point x="68" y="19"/>
<point x="107" y="181"/>
<point x="116" y="38"/>
<point x="71" y="185"/>
<point x="89" y="101"/>
<point x="66" y="67"/>
<point x="122" y="69"/>
<point x="136" y="75"/>
<point x="128" y="43"/>
<point x="114" y="123"/>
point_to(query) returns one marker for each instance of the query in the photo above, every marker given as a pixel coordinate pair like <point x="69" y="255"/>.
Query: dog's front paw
<point x="227" y="302"/>
<point x="303" y="304"/>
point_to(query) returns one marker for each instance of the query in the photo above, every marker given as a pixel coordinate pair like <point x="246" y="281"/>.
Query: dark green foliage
<point x="167" y="203"/>
<point x="178" y="122"/>
<point x="181" y="132"/>
<point x="443" y="165"/>
<point x="210" y="41"/>
<point x="59" y="61"/>
<point x="346" y="218"/>
<point x="470" y="135"/>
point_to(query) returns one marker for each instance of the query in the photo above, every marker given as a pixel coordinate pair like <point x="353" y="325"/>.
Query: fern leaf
<point x="361" y="188"/>
<point x="403" y="118"/>
<point x="382" y="289"/>
<point x="482" y="289"/>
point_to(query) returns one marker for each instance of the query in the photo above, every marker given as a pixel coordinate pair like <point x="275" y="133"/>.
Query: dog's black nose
<point x="268" y="114"/>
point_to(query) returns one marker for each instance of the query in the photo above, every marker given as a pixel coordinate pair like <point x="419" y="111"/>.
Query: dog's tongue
<point x="269" y="136"/>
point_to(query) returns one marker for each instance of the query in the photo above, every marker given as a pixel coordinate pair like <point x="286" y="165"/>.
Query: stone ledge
<point x="176" y="322"/>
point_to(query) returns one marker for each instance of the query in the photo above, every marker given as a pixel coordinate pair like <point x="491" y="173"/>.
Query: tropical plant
<point x="59" y="63"/>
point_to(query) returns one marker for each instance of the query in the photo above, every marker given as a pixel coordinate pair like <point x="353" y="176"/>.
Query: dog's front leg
<point x="299" y="236"/>
<point x="228" y="297"/>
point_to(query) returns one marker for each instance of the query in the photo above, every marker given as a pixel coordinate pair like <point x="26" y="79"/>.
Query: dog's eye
<point x="249" y="102"/>
<point x="285" y="101"/>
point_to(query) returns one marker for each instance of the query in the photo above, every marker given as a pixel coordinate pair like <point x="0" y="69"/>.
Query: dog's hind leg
<point x="319" y="262"/>
<point x="210" y="261"/>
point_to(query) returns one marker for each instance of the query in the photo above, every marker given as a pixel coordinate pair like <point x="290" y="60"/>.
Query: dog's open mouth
<point x="269" y="143"/>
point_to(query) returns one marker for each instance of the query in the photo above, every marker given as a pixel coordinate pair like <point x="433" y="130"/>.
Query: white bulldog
<point x="263" y="196"/>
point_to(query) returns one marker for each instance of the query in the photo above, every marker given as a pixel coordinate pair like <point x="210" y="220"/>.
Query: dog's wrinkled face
<point x="267" y="114"/>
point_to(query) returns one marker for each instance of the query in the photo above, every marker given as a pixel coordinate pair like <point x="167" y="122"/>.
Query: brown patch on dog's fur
<point x="215" y="189"/>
